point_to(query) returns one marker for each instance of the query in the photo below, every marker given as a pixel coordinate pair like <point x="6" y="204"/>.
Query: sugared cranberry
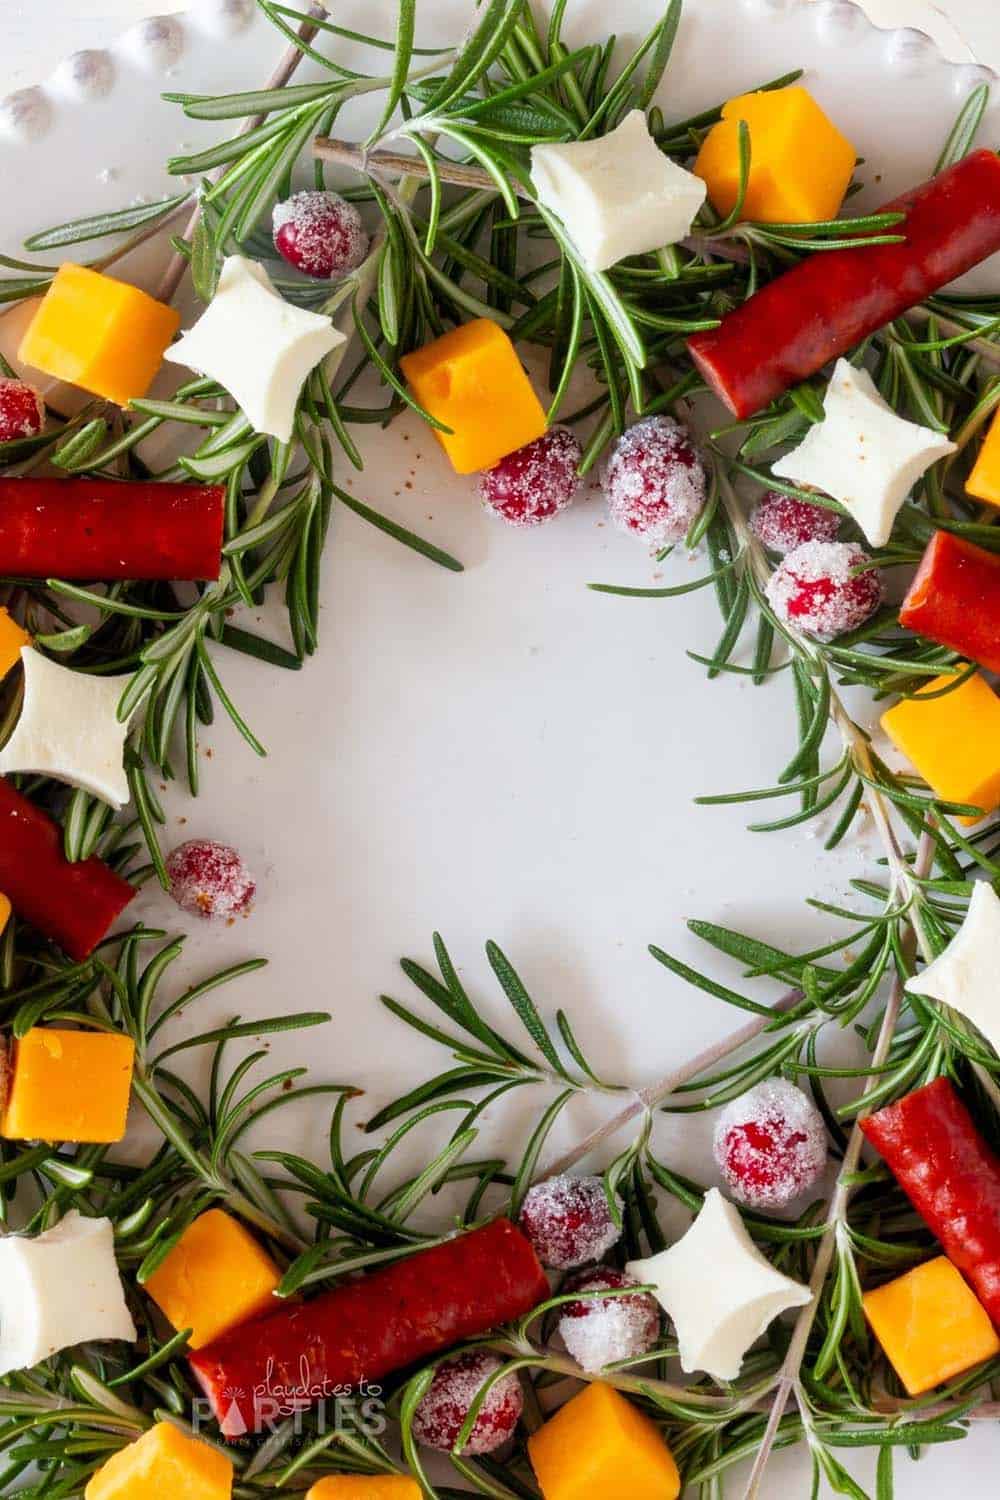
<point x="22" y="411"/>
<point x="654" y="481"/>
<point x="597" y="1331"/>
<point x="438" y="1418"/>
<point x="319" y="233"/>
<point x="535" y="483"/>
<point x="816" y="589"/>
<point x="783" y="523"/>
<point x="568" y="1221"/>
<point x="209" y="879"/>
<point x="770" y="1144"/>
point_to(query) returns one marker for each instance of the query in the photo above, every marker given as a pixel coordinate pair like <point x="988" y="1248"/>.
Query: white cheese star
<point x="718" y="1289"/>
<point x="58" y="1289"/>
<point x="257" y="345"/>
<point x="69" y="729"/>
<point x="966" y="974"/>
<point x="617" y="195"/>
<point x="863" y="454"/>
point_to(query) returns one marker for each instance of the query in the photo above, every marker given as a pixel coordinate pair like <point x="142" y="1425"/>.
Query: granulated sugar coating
<point x="534" y="484"/>
<point x="654" y="481"/>
<point x="438" y="1418"/>
<point x="22" y="411"/>
<point x="319" y="233"/>
<point x="770" y="1144"/>
<point x="568" y="1221"/>
<point x="209" y="879"/>
<point x="783" y="523"/>
<point x="816" y="589"/>
<point x="599" y="1330"/>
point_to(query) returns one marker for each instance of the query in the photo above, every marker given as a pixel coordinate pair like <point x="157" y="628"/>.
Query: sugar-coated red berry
<point x="457" y="1382"/>
<point x="597" y="1331"/>
<point x="783" y="523"/>
<point x="210" y="879"/>
<point x="568" y="1221"/>
<point x="654" y="481"/>
<point x="22" y="410"/>
<point x="818" y="590"/>
<point x="319" y="233"/>
<point x="536" y="482"/>
<point x="770" y="1144"/>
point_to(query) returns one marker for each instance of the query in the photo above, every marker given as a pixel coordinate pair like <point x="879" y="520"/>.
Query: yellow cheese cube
<point x="366" y="1487"/>
<point x="4" y="912"/>
<point x="800" y="164"/>
<point x="216" y="1276"/>
<point x="473" y="382"/>
<point x="164" y="1464"/>
<point x="600" y="1444"/>
<point x="954" y="741"/>
<point x="99" y="333"/>
<point x="984" y="481"/>
<point x="930" y="1325"/>
<point x="69" y="1086"/>
<point x="12" y="639"/>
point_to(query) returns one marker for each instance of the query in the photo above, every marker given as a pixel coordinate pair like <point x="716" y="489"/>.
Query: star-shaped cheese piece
<point x="69" y="729"/>
<point x="718" y="1289"/>
<point x="967" y="974"/>
<point x="863" y="454"/>
<point x="617" y="195"/>
<point x="257" y="345"/>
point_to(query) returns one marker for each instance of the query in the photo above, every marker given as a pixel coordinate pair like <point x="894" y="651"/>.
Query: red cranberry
<point x="598" y="1331"/>
<point x="319" y="233"/>
<point x="438" y="1418"/>
<point x="654" y="481"/>
<point x="770" y="1144"/>
<point x="817" y="589"/>
<point x="22" y="410"/>
<point x="568" y="1221"/>
<point x="783" y="523"/>
<point x="209" y="879"/>
<point x="535" y="483"/>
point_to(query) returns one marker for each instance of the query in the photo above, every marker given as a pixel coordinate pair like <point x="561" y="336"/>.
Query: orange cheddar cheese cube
<point x="164" y="1464"/>
<point x="600" y="1444"/>
<point x="931" y="1325"/>
<point x="99" y="333"/>
<point x="800" y="163"/>
<point x="12" y="639"/>
<point x="215" y="1277"/>
<point x="953" y="741"/>
<point x="5" y="910"/>
<point x="366" y="1487"/>
<point x="472" y="381"/>
<point x="69" y="1086"/>
<point x="984" y="481"/>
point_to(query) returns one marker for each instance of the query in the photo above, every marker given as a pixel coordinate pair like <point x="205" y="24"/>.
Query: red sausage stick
<point x="94" y="529"/>
<point x="951" y="1176"/>
<point x="290" y="1359"/>
<point x="833" y="299"/>
<point x="73" y="904"/>
<point x="955" y="599"/>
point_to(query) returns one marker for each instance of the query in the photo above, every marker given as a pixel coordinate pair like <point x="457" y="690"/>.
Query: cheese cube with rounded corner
<point x="931" y="1325"/>
<point x="984" y="481"/>
<point x="366" y="1487"/>
<point x="99" y="333"/>
<point x="216" y="1276"/>
<point x="164" y="1462"/>
<point x="59" y="1289"/>
<point x="472" y="381"/>
<point x="953" y="741"/>
<point x="69" y="1086"/>
<point x="5" y="910"/>
<point x="599" y="1444"/>
<point x="12" y="639"/>
<point x="800" y="163"/>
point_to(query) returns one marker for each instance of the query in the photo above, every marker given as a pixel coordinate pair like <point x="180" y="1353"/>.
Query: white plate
<point x="502" y="753"/>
